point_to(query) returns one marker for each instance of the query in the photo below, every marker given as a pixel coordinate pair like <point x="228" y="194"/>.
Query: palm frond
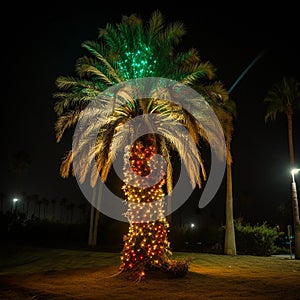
<point x="189" y="57"/>
<point x="173" y="33"/>
<point x="156" y="23"/>
<point x="65" y="121"/>
<point x="186" y="148"/>
<point x="196" y="71"/>
<point x="65" y="82"/>
<point x="77" y="92"/>
<point x="66" y="165"/>
<point x="96" y="49"/>
<point x="85" y="67"/>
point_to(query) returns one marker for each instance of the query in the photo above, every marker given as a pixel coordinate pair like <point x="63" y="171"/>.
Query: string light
<point x="137" y="64"/>
<point x="146" y="243"/>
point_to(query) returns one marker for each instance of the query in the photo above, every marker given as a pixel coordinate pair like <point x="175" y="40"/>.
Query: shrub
<point x="255" y="240"/>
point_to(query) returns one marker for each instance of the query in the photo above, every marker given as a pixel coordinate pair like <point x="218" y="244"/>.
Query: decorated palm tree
<point x="284" y="98"/>
<point x="128" y="51"/>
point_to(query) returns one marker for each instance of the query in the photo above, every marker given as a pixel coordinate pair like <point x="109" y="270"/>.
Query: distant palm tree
<point x="82" y="208"/>
<point x="53" y="203"/>
<point x="20" y="164"/>
<point x="127" y="51"/>
<point x="46" y="205"/>
<point x="2" y="198"/>
<point x="28" y="201"/>
<point x="36" y="200"/>
<point x="225" y="109"/>
<point x="226" y="115"/>
<point x="39" y="204"/>
<point x="70" y="210"/>
<point x="284" y="97"/>
<point x="63" y="204"/>
<point x="24" y="202"/>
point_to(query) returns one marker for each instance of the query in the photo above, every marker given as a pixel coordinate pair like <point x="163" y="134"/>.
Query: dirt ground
<point x="64" y="275"/>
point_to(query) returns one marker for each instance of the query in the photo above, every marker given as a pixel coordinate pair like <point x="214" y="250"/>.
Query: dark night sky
<point x="42" y="43"/>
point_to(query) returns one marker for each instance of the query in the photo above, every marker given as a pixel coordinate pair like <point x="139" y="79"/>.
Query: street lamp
<point x="15" y="202"/>
<point x="293" y="172"/>
<point x="296" y="214"/>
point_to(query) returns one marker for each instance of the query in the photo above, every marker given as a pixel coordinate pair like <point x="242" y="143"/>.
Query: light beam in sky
<point x="246" y="70"/>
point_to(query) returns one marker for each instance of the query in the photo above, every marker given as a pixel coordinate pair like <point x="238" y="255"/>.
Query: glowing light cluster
<point x="136" y="64"/>
<point x="146" y="244"/>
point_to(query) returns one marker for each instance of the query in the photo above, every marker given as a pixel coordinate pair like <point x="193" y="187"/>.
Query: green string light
<point x="139" y="63"/>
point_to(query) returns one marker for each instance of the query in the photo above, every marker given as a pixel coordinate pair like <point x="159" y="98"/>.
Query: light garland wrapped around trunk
<point x="146" y="244"/>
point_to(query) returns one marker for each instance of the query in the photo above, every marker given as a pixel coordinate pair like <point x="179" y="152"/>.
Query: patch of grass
<point x="25" y="259"/>
<point x="60" y="274"/>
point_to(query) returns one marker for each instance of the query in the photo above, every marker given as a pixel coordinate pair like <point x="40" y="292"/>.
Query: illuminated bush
<point x="255" y="240"/>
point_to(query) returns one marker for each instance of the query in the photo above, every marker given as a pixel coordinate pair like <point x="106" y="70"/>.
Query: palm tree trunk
<point x="92" y="219"/>
<point x="229" y="246"/>
<point x="91" y="230"/>
<point x="95" y="229"/>
<point x="290" y="137"/>
<point x="296" y="220"/>
<point x="27" y="207"/>
<point x="146" y="243"/>
<point x="95" y="216"/>
<point x="53" y="211"/>
<point x="295" y="207"/>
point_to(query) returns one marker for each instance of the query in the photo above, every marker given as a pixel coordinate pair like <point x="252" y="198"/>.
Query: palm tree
<point x="46" y="205"/>
<point x="284" y="97"/>
<point x="225" y="109"/>
<point x="28" y="201"/>
<point x="226" y="115"/>
<point x="2" y="198"/>
<point x="53" y="203"/>
<point x="124" y="52"/>
<point x="20" y="164"/>
<point x="36" y="200"/>
<point x="94" y="216"/>
<point x="82" y="209"/>
<point x="63" y="204"/>
<point x="70" y="210"/>
<point x="39" y="203"/>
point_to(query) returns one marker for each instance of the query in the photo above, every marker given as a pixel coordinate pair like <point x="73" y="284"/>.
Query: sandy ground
<point x="61" y="275"/>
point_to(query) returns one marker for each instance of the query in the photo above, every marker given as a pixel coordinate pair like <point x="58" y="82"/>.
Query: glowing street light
<point x="192" y="225"/>
<point x="15" y="202"/>
<point x="293" y="172"/>
<point x="296" y="214"/>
